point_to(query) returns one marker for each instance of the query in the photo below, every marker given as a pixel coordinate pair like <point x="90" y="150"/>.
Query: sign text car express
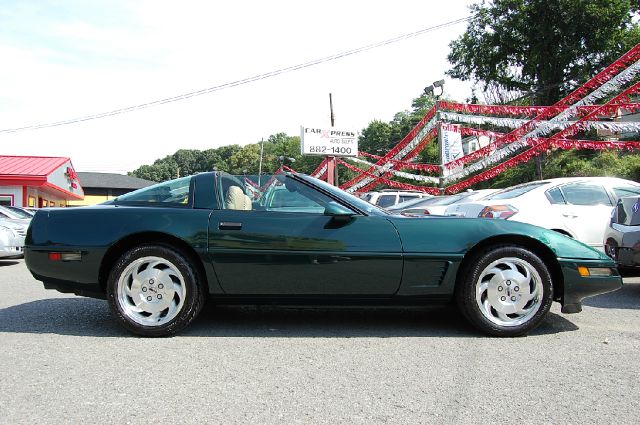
<point x="333" y="142"/>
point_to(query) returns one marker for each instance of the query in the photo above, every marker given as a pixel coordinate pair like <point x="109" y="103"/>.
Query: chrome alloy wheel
<point x="151" y="291"/>
<point x="509" y="291"/>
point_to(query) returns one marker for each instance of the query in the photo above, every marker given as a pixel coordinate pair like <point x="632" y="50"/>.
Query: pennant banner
<point x="434" y="168"/>
<point x="400" y="150"/>
<point x="544" y="128"/>
<point x="534" y="151"/>
<point x="407" y="157"/>
<point x="409" y="176"/>
<point x="619" y="126"/>
<point x="430" y="190"/>
<point x="531" y="111"/>
<point x="399" y="154"/>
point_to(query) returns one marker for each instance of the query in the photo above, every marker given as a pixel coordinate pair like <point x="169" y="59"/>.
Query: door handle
<point x="570" y="215"/>
<point x="228" y="225"/>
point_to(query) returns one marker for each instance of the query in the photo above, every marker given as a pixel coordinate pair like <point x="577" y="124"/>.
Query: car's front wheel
<point x="153" y="290"/>
<point x="505" y="290"/>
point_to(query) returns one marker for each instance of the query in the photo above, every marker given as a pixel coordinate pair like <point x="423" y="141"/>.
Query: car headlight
<point x="498" y="211"/>
<point x="10" y="230"/>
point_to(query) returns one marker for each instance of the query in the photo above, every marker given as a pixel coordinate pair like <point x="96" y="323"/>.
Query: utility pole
<point x="332" y="166"/>
<point x="260" y="164"/>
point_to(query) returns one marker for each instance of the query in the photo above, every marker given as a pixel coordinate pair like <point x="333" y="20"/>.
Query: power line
<point x="237" y="82"/>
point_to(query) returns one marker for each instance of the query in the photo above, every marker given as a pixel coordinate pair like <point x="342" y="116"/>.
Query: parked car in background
<point x="579" y="207"/>
<point x="622" y="237"/>
<point x="7" y="213"/>
<point x="437" y="205"/>
<point x="11" y="241"/>
<point x="389" y="197"/>
<point x="161" y="251"/>
<point x="22" y="212"/>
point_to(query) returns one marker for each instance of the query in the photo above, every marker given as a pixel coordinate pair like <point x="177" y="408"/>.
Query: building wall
<point x="90" y="200"/>
<point x="11" y="195"/>
<point x="93" y="196"/>
<point x="34" y="199"/>
<point x="39" y="199"/>
<point x="62" y="179"/>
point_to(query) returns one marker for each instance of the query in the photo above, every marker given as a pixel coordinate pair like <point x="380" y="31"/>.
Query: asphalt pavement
<point x="63" y="359"/>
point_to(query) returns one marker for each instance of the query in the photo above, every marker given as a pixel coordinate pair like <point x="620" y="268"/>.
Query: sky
<point x="63" y="60"/>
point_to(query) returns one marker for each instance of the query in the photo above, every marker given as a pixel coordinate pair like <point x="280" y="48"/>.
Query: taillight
<point x="65" y="256"/>
<point x="426" y="212"/>
<point x="498" y="211"/>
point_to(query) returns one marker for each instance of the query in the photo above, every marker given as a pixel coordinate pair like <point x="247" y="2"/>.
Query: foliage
<point x="277" y="149"/>
<point x="543" y="46"/>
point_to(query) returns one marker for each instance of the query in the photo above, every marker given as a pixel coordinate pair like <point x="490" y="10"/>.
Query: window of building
<point x="6" y="200"/>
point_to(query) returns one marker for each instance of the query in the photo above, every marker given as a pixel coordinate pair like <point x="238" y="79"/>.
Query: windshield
<point x="409" y="203"/>
<point x="448" y="200"/>
<point x="515" y="191"/>
<point x="354" y="200"/>
<point x="7" y="213"/>
<point x="20" y="213"/>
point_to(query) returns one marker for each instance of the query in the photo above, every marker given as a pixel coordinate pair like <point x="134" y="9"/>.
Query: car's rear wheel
<point x="153" y="290"/>
<point x="505" y="291"/>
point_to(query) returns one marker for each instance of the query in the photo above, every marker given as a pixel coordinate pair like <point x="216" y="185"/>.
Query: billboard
<point x="450" y="147"/>
<point x="328" y="141"/>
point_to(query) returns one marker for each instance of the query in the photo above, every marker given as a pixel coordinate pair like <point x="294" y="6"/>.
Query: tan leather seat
<point x="237" y="200"/>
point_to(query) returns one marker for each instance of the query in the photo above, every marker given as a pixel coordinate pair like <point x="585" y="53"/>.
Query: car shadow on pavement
<point x="5" y="263"/>
<point x="627" y="297"/>
<point x="89" y="317"/>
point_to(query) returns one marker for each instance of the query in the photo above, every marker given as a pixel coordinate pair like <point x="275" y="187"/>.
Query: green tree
<point x="158" y="172"/>
<point x="246" y="160"/>
<point x="233" y="159"/>
<point x="542" y="46"/>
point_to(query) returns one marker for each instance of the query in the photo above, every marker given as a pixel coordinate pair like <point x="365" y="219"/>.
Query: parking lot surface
<point x="63" y="359"/>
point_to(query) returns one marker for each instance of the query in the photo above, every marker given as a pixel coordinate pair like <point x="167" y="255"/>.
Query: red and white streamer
<point x="405" y="186"/>
<point x="540" y="147"/>
<point x="514" y="141"/>
<point x="409" y="176"/>
<point x="434" y="168"/>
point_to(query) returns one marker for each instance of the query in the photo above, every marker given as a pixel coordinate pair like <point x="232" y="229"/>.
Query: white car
<point x="438" y="204"/>
<point x="579" y="207"/>
<point x="11" y="240"/>
<point x="390" y="197"/>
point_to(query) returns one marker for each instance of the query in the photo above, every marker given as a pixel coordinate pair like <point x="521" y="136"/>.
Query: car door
<point x="286" y="245"/>
<point x="586" y="211"/>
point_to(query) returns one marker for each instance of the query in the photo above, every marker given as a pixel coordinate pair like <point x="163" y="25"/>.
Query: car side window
<point x="386" y="200"/>
<point x="555" y="196"/>
<point x="284" y="194"/>
<point x="586" y="194"/>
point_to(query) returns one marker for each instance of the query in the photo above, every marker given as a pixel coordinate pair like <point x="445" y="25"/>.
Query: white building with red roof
<point x="37" y="181"/>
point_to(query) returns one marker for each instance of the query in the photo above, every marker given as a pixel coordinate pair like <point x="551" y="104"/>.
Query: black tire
<point x="154" y="290"/>
<point x="505" y="290"/>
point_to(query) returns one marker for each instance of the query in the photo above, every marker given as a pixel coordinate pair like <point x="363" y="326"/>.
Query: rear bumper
<point x="77" y="277"/>
<point x="577" y="287"/>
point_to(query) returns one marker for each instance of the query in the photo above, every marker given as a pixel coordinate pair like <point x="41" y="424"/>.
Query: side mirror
<point x="333" y="209"/>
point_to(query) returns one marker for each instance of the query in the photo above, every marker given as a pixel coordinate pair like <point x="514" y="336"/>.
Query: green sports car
<point x="157" y="254"/>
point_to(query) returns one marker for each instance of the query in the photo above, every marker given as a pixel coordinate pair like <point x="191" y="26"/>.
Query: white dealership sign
<point x="328" y="141"/>
<point x="450" y="146"/>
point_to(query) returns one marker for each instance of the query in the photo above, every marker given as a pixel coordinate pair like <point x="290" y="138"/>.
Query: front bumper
<point x="11" y="251"/>
<point x="577" y="287"/>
